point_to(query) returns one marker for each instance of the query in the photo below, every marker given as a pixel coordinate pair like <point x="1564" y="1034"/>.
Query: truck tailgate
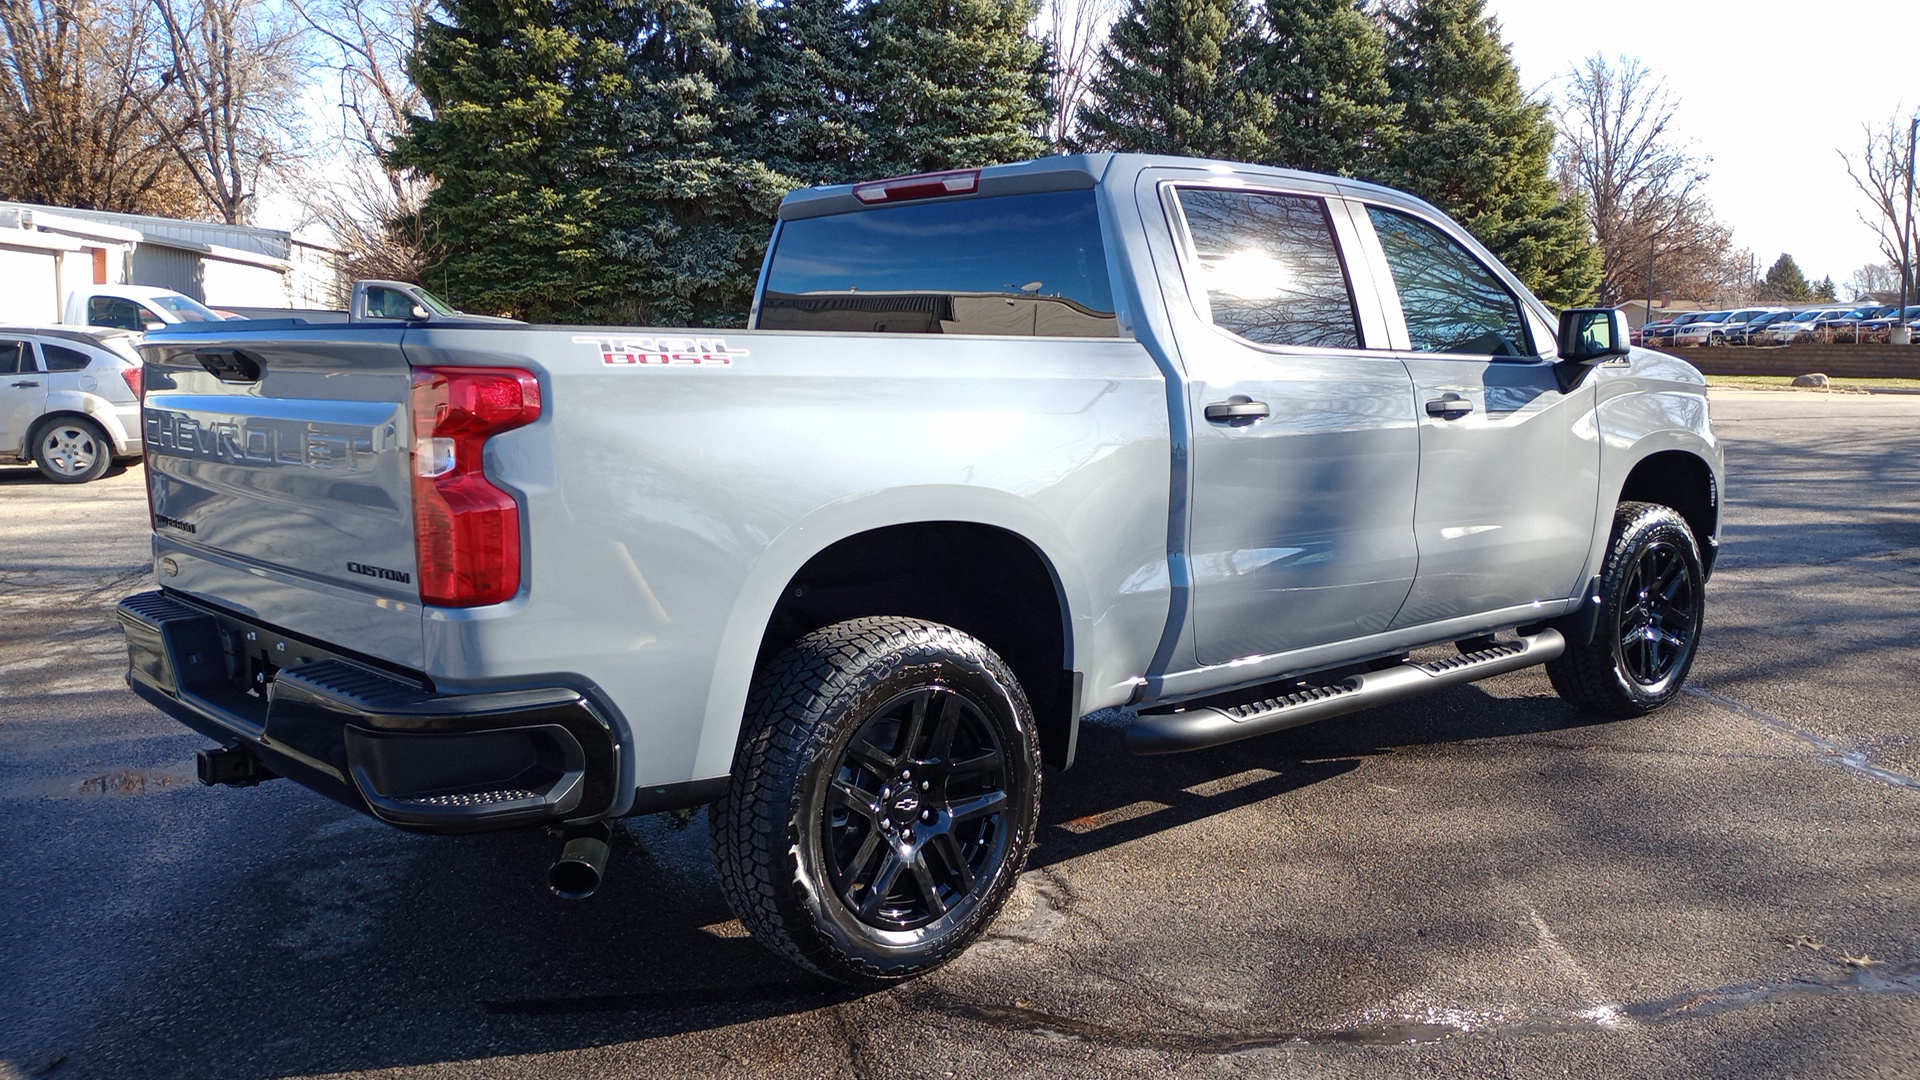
<point x="280" y="474"/>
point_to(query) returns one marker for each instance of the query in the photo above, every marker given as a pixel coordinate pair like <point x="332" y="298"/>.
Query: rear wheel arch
<point x="985" y="580"/>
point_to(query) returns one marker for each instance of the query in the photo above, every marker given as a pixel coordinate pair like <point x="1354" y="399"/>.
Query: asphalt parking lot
<point x="1477" y="884"/>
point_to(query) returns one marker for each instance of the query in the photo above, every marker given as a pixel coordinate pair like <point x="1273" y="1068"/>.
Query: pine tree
<point x="952" y="83"/>
<point x="801" y="93"/>
<point x="1173" y="79"/>
<point x="580" y="174"/>
<point x="1825" y="289"/>
<point x="1323" y="65"/>
<point x="1472" y="143"/>
<point x="1786" y="282"/>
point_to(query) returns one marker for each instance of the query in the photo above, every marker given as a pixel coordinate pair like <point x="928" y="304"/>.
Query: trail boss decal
<point x="622" y="351"/>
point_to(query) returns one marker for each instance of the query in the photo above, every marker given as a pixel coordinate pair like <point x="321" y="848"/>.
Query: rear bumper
<point x="384" y="743"/>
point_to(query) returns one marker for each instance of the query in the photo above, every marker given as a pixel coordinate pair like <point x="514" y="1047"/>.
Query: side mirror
<point x="152" y="324"/>
<point x="1590" y="335"/>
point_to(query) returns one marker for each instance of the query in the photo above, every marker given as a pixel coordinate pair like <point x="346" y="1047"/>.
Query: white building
<point x="46" y="251"/>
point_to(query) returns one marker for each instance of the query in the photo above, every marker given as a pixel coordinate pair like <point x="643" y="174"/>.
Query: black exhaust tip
<point x="582" y="862"/>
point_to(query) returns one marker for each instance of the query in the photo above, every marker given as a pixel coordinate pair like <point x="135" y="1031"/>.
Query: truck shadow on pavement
<point x="339" y="944"/>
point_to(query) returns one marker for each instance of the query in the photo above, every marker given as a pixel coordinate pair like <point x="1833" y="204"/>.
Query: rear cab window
<point x="1268" y="268"/>
<point x="1024" y="265"/>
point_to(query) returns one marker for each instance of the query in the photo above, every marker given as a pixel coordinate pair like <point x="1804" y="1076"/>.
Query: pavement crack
<point x="1830" y="752"/>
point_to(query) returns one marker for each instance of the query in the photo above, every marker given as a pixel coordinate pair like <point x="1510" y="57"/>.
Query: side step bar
<point x="1198" y="727"/>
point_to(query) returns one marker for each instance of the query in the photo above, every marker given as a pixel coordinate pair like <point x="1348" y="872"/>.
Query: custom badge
<point x="624" y="351"/>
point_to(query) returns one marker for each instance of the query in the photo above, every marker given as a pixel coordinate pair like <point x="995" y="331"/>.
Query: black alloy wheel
<point x="1652" y="608"/>
<point x="917" y="811"/>
<point x="1658" y="625"/>
<point x="882" y="801"/>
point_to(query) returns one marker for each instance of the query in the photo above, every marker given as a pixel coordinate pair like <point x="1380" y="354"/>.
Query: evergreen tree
<point x="1825" y="289"/>
<point x="952" y="83"/>
<point x="1472" y="143"/>
<point x="1786" y="282"/>
<point x="1173" y="79"/>
<point x="802" y="93"/>
<point x="1322" y="63"/>
<point x="579" y="169"/>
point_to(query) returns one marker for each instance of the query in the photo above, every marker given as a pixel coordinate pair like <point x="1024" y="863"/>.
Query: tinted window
<point x="1032" y="265"/>
<point x="1270" y="268"/>
<point x="1453" y="304"/>
<point x="116" y="311"/>
<point x="61" y="358"/>
<point x="15" y="357"/>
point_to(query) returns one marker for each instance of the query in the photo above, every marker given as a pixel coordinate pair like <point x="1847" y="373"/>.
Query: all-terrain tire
<point x="1652" y="604"/>
<point x="852" y="839"/>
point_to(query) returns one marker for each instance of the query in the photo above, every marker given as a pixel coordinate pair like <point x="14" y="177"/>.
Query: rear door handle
<point x="1449" y="407"/>
<point x="1238" y="410"/>
<point x="23" y="383"/>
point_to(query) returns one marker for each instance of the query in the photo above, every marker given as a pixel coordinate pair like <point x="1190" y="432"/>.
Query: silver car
<point x="69" y="400"/>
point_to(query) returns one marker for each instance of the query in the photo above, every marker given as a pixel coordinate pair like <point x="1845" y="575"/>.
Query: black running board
<point x="1198" y="727"/>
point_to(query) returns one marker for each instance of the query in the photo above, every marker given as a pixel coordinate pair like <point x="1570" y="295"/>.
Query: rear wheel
<point x="71" y="450"/>
<point x="1652" y="603"/>
<point x="883" y="799"/>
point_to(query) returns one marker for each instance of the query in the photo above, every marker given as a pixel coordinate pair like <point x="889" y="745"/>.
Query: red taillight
<point x="466" y="531"/>
<point x="136" y="381"/>
<point x="919" y="186"/>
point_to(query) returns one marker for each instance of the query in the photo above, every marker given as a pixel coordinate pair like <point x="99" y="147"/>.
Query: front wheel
<point x="883" y="799"/>
<point x="1652" y="603"/>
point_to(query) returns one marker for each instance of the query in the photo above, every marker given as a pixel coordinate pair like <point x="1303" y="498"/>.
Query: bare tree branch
<point x="1881" y="175"/>
<point x="1076" y="30"/>
<point x="371" y="209"/>
<point x="1642" y="186"/>
<point x="232" y="70"/>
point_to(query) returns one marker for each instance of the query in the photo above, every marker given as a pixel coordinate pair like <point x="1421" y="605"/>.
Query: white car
<point x="69" y="399"/>
<point x="1715" y="328"/>
<point x="1799" y="327"/>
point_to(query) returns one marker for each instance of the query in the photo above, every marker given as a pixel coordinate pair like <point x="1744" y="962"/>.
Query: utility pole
<point x="1900" y="334"/>
<point x="1651" y="237"/>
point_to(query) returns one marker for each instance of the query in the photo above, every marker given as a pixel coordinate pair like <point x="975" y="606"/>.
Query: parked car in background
<point x="1638" y="334"/>
<point x="1876" y="328"/>
<point x="1845" y="326"/>
<point x="134" y="307"/>
<point x="1796" y="326"/>
<point x="1718" y="328"/>
<point x="1658" y="335"/>
<point x="69" y="399"/>
<point x="1746" y="333"/>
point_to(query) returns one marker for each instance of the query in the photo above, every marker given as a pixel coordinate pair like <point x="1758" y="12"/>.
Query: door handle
<point x="1449" y="407"/>
<point x="1238" y="410"/>
<point x="24" y="383"/>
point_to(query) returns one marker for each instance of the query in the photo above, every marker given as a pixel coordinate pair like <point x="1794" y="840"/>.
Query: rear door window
<point x="61" y="358"/>
<point x="1452" y="303"/>
<point x="1021" y="265"/>
<point x="16" y="358"/>
<point x="1270" y="268"/>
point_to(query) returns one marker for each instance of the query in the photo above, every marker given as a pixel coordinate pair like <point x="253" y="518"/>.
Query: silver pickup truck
<point x="1003" y="447"/>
